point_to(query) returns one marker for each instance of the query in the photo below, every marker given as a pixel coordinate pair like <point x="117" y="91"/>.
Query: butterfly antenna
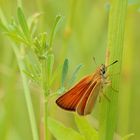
<point x="94" y="60"/>
<point x="112" y="63"/>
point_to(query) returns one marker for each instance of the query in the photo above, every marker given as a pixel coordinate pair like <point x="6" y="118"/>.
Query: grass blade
<point x="75" y="74"/>
<point x="115" y="49"/>
<point x="57" y="21"/>
<point x="128" y="136"/>
<point x="27" y="95"/>
<point x="23" y="23"/>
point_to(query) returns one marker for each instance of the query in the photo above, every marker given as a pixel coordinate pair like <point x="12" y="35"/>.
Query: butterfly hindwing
<point x="87" y="102"/>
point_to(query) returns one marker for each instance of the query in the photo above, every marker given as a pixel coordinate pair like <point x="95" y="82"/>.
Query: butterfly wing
<point x="87" y="102"/>
<point x="71" y="98"/>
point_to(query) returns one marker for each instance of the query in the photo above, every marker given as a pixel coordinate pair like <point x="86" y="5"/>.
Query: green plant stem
<point x="27" y="94"/>
<point x="108" y="116"/>
<point x="43" y="103"/>
<point x="42" y="118"/>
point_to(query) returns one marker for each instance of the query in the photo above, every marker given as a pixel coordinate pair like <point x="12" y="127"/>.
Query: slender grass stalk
<point x="43" y="104"/>
<point x="126" y="84"/>
<point x="27" y="95"/>
<point x="42" y="118"/>
<point x="114" y="52"/>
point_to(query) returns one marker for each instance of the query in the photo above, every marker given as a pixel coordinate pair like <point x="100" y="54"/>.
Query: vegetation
<point x="46" y="47"/>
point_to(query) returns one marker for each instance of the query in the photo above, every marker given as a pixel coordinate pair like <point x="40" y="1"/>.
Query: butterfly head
<point x="103" y="69"/>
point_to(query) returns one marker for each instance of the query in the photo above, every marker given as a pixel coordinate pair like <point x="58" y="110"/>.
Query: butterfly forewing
<point x="72" y="97"/>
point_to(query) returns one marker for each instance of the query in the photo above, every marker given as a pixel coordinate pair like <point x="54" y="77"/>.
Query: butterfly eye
<point x="103" y="71"/>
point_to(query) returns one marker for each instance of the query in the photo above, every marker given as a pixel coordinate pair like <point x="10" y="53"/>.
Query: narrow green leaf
<point x="128" y="136"/>
<point x="23" y="23"/>
<point x="75" y="74"/>
<point x="27" y="95"/>
<point x="43" y="40"/>
<point x="54" y="28"/>
<point x="31" y="76"/>
<point x="85" y="128"/>
<point x="64" y="71"/>
<point x="61" y="132"/>
<point x="14" y="28"/>
<point x="17" y="38"/>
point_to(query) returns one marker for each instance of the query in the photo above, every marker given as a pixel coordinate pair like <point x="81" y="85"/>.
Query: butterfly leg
<point x="100" y="94"/>
<point x="100" y="98"/>
<point x="108" y="99"/>
<point x="113" y="74"/>
<point x="103" y="94"/>
<point x="108" y="82"/>
<point x="115" y="90"/>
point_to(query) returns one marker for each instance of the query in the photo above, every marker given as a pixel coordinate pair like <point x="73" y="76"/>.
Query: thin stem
<point x="42" y="118"/>
<point x="27" y="95"/>
<point x="43" y="103"/>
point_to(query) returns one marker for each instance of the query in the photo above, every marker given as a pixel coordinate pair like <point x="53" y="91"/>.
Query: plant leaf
<point x="75" y="74"/>
<point x="23" y="23"/>
<point x="57" y="21"/>
<point x="85" y="128"/>
<point x="64" y="71"/>
<point x="61" y="132"/>
<point x="128" y="136"/>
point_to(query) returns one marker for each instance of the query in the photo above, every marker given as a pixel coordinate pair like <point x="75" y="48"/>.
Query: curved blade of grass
<point x="27" y="96"/>
<point x="128" y="136"/>
<point x="75" y="74"/>
<point x="23" y="23"/>
<point x="115" y="49"/>
<point x="54" y="28"/>
<point x="61" y="132"/>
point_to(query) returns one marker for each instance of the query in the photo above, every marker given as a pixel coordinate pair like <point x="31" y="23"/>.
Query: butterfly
<point x="82" y="97"/>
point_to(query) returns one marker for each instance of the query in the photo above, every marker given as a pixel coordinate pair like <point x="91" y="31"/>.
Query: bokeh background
<point x="82" y="35"/>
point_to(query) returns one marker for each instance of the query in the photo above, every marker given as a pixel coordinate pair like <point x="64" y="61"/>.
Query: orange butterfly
<point x="81" y="98"/>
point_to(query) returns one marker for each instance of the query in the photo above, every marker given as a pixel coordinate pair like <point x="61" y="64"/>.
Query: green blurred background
<point x="82" y="34"/>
